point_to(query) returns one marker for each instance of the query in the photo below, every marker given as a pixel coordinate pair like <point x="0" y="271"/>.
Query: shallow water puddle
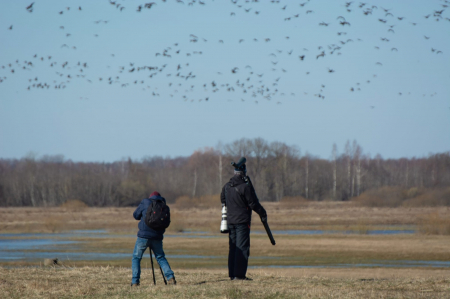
<point x="36" y="247"/>
<point x="82" y="256"/>
<point x="31" y="244"/>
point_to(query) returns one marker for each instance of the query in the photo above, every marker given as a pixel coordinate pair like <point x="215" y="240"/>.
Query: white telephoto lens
<point x="223" y="223"/>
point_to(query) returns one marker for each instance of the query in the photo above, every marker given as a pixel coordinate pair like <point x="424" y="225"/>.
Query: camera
<point x="223" y="223"/>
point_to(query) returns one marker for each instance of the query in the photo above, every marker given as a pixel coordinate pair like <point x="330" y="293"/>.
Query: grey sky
<point x="387" y="87"/>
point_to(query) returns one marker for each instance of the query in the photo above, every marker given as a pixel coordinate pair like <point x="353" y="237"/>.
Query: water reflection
<point x="83" y="256"/>
<point x="31" y="244"/>
<point x="35" y="247"/>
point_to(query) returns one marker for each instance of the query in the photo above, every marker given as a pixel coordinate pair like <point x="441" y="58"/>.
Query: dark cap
<point x="155" y="193"/>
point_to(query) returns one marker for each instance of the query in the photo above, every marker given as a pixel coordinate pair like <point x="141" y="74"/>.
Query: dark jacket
<point x="145" y="231"/>
<point x="240" y="199"/>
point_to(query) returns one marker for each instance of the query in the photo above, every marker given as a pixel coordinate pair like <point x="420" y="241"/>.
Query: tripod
<point x="153" y="270"/>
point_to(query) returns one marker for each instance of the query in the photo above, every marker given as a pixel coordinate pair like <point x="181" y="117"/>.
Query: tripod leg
<point x="153" y="270"/>
<point x="162" y="274"/>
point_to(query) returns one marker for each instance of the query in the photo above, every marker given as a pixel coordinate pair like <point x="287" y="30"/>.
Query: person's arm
<point x="138" y="212"/>
<point x="222" y="196"/>
<point x="253" y="202"/>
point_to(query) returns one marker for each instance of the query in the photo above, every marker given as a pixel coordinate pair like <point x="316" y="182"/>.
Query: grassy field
<point x="110" y="282"/>
<point x="207" y="277"/>
<point x="305" y="250"/>
<point x="282" y="216"/>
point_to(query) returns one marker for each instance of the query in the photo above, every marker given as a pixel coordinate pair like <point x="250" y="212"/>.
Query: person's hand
<point x="264" y="218"/>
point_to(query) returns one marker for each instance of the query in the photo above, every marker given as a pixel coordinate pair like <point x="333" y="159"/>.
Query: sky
<point x="106" y="80"/>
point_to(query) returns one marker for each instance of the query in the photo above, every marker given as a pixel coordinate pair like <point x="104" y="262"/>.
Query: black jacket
<point x="240" y="199"/>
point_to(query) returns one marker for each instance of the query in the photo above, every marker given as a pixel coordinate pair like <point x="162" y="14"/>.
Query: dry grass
<point x="207" y="278"/>
<point x="203" y="202"/>
<point x="428" y="198"/>
<point x="177" y="222"/>
<point x="434" y="224"/>
<point x="283" y="215"/>
<point x="395" y="196"/>
<point x="74" y="205"/>
<point x="382" y="197"/>
<point x="109" y="282"/>
<point x="53" y="222"/>
<point x="290" y="250"/>
<point x="62" y="219"/>
<point x="363" y="227"/>
<point x="293" y="202"/>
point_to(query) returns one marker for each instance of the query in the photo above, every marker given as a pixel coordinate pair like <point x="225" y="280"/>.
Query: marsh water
<point x="68" y="246"/>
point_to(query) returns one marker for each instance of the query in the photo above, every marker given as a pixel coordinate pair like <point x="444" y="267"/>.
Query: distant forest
<point x="278" y="171"/>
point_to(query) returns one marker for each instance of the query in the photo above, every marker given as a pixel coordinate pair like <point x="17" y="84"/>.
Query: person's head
<point x="241" y="170"/>
<point x="154" y="193"/>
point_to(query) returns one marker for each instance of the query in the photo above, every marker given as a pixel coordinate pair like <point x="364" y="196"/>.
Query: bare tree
<point x="306" y="175"/>
<point x="219" y="148"/>
<point x="277" y="171"/>
<point x="239" y="148"/>
<point x="357" y="155"/>
<point x="334" y="154"/>
<point x="348" y="158"/>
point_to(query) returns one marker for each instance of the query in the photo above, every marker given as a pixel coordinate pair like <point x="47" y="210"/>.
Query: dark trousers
<point x="239" y="238"/>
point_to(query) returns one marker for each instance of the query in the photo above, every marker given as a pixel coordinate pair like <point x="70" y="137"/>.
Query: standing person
<point x="240" y="199"/>
<point x="147" y="237"/>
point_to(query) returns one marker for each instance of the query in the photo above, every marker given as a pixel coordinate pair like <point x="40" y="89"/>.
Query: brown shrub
<point x="293" y="199"/>
<point x="203" y="202"/>
<point x="53" y="223"/>
<point x="434" y="224"/>
<point x="396" y="196"/>
<point x="411" y="192"/>
<point x="382" y="197"/>
<point x="430" y="198"/>
<point x="75" y="205"/>
<point x="362" y="226"/>
<point x="293" y="202"/>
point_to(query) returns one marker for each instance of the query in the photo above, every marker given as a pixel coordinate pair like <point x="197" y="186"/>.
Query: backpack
<point x="157" y="216"/>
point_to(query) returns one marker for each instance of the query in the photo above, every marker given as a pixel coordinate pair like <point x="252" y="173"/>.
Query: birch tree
<point x="348" y="160"/>
<point x="334" y="154"/>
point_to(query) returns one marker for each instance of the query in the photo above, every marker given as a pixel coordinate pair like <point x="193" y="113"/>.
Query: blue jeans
<point x="157" y="248"/>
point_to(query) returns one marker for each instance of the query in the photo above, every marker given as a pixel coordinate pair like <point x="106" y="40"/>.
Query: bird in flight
<point x="320" y="55"/>
<point x="30" y="7"/>
<point x="149" y="5"/>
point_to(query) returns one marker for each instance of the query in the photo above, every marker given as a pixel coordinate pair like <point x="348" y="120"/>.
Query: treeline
<point x="277" y="171"/>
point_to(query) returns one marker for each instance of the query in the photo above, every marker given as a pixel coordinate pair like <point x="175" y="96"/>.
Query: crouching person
<point x="150" y="237"/>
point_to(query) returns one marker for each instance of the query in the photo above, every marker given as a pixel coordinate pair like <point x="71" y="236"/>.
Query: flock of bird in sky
<point x="246" y="81"/>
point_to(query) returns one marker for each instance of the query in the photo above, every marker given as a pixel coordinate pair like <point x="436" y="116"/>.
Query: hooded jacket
<point x="240" y="199"/>
<point x="139" y="214"/>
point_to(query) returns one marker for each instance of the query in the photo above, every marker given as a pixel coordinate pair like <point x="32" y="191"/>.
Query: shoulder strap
<point x="227" y="186"/>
